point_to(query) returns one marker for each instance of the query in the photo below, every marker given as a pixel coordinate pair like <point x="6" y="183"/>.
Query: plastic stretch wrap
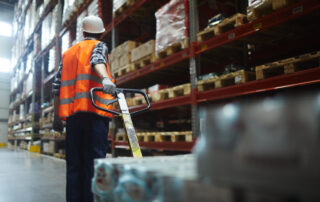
<point x="70" y="7"/>
<point x="65" y="42"/>
<point x="117" y="4"/>
<point x="171" y="24"/>
<point x="52" y="60"/>
<point x="93" y="8"/>
<point x="263" y="144"/>
<point x="79" y="34"/>
<point x="49" y="28"/>
<point x="147" y="179"/>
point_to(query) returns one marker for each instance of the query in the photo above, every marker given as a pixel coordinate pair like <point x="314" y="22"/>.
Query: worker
<point x="83" y="67"/>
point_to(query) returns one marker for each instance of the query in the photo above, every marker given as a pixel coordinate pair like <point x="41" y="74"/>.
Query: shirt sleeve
<point x="57" y="82"/>
<point x="98" y="55"/>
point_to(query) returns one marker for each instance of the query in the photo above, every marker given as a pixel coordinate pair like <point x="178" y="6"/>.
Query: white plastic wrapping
<point x="171" y="24"/>
<point x="65" y="42"/>
<point x="93" y="8"/>
<point x="79" y="34"/>
<point x="52" y="60"/>
<point x="69" y="7"/>
<point x="117" y="4"/>
<point x="132" y="179"/>
<point x="256" y="143"/>
<point x="49" y="28"/>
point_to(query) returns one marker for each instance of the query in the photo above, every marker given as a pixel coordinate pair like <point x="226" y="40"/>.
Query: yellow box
<point x="2" y="144"/>
<point x="35" y="148"/>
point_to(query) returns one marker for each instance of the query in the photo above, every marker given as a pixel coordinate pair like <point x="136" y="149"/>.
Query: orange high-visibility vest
<point x="77" y="78"/>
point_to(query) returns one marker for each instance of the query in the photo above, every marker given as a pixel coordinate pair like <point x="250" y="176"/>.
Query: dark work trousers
<point x="86" y="140"/>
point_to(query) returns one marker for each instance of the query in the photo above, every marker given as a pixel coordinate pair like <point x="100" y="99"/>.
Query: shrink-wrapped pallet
<point x="70" y="7"/>
<point x="51" y="60"/>
<point x="93" y="8"/>
<point x="49" y="28"/>
<point x="147" y="179"/>
<point x="79" y="34"/>
<point x="171" y="24"/>
<point x="264" y="144"/>
<point x="65" y="42"/>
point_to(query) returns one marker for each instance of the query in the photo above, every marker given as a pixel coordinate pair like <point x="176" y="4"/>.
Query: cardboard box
<point x="143" y="50"/>
<point x="125" y="60"/>
<point x="115" y="64"/>
<point x="127" y="47"/>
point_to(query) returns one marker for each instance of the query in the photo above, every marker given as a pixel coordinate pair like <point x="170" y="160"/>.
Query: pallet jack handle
<point x="120" y="90"/>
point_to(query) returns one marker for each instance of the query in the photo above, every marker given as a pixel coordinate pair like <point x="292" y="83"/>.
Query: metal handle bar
<point x="118" y="90"/>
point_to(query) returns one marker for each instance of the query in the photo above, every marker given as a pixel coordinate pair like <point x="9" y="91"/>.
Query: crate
<point x="288" y="66"/>
<point x="224" y="26"/>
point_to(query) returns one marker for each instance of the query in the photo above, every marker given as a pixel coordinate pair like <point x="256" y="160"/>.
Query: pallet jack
<point x="125" y="115"/>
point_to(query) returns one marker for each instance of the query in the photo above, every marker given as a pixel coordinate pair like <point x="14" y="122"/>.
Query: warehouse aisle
<point x="30" y="177"/>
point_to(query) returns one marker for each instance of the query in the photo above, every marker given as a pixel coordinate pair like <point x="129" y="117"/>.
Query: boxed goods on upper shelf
<point x="121" y="55"/>
<point x="30" y="20"/>
<point x="144" y="50"/>
<point x="65" y="42"/>
<point x="70" y="8"/>
<point x="79" y="34"/>
<point x="52" y="60"/>
<point x="93" y="8"/>
<point x="171" y="25"/>
<point x="49" y="28"/>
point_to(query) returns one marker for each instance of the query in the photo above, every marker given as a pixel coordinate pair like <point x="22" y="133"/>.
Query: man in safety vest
<point x="83" y="67"/>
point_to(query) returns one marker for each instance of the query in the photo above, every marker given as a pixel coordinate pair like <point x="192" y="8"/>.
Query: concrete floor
<point x="31" y="177"/>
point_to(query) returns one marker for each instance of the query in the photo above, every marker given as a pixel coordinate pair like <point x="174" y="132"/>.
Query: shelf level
<point x="283" y="15"/>
<point x="300" y="78"/>
<point x="276" y="18"/>
<point x="165" y="146"/>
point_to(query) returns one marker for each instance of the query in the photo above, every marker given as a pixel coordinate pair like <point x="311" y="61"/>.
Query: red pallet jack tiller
<point x="125" y="115"/>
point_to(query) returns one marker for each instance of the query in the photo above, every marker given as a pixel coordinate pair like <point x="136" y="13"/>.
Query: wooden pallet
<point x="224" y="26"/>
<point x="180" y="90"/>
<point x="60" y="156"/>
<point x="123" y="70"/>
<point x="207" y="84"/>
<point x="121" y="137"/>
<point x="168" y="93"/>
<point x="123" y="8"/>
<point x="144" y="61"/>
<point x="138" y="101"/>
<point x="288" y="66"/>
<point x="265" y="7"/>
<point x="176" y="47"/>
<point x="171" y="136"/>
<point x="234" y="78"/>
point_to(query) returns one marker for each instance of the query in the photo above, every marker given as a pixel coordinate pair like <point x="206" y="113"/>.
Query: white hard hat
<point x="93" y="24"/>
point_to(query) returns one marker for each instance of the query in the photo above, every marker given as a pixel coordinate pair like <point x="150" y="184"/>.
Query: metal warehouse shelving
<point x="188" y="59"/>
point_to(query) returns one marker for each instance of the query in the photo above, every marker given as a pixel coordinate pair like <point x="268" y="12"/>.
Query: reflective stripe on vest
<point x="77" y="79"/>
